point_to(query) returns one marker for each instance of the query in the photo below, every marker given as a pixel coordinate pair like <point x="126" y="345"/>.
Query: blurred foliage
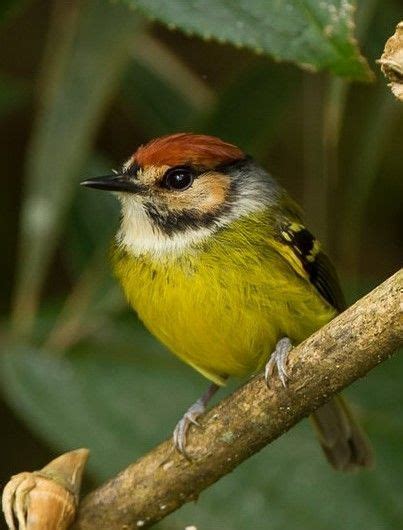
<point x="8" y="8"/>
<point x="84" y="58"/>
<point x="78" y="369"/>
<point x="13" y="95"/>
<point x="316" y="35"/>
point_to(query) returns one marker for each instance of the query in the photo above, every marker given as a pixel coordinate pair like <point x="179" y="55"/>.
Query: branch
<point x="392" y="61"/>
<point x="163" y="480"/>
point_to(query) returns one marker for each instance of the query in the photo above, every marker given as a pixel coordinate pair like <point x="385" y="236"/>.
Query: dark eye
<point x="178" y="178"/>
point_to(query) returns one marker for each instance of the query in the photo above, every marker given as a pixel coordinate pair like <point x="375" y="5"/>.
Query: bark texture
<point x="338" y="354"/>
<point x="392" y="61"/>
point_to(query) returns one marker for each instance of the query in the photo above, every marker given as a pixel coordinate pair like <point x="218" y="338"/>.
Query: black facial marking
<point x="174" y="222"/>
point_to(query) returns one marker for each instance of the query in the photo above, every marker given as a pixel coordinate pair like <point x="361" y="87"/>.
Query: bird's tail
<point x="344" y="443"/>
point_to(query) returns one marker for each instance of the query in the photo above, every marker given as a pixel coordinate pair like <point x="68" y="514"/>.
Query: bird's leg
<point x="190" y="417"/>
<point x="278" y="359"/>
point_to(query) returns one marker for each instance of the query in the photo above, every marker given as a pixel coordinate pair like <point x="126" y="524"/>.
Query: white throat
<point x="139" y="235"/>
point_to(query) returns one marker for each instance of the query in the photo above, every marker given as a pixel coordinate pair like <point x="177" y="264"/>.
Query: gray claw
<point x="182" y="427"/>
<point x="278" y="359"/>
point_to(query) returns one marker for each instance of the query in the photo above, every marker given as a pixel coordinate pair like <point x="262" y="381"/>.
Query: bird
<point x="214" y="257"/>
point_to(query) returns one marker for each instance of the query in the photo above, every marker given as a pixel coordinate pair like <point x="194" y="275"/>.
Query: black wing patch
<point x="316" y="264"/>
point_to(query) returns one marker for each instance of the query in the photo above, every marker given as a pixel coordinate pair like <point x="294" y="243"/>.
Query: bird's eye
<point x="178" y="178"/>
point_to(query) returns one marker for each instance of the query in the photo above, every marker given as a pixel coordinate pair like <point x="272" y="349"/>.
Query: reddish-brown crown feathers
<point x="186" y="148"/>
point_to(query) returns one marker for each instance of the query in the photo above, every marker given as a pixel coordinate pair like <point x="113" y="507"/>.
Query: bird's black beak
<point x="113" y="182"/>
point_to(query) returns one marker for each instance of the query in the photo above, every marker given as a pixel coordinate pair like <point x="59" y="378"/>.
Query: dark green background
<point x="82" y="84"/>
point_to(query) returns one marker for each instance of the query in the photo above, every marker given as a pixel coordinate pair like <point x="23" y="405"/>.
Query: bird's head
<point x="178" y="189"/>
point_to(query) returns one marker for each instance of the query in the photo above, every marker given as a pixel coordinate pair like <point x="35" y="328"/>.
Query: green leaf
<point x="315" y="35"/>
<point x="121" y="404"/>
<point x="90" y="49"/>
<point x="101" y="402"/>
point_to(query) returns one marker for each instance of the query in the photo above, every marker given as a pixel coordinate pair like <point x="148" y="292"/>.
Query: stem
<point x="333" y="112"/>
<point x="363" y="174"/>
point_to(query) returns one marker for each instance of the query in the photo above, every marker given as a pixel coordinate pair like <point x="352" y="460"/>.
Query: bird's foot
<point x="182" y="427"/>
<point x="190" y="417"/>
<point x="278" y="359"/>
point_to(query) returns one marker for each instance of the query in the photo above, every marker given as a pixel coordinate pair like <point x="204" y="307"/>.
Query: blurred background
<point x="82" y="84"/>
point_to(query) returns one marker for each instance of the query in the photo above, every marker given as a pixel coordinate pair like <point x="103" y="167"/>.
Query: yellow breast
<point x="223" y="306"/>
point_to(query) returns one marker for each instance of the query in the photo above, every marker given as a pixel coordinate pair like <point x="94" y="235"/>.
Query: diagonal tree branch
<point x="338" y="354"/>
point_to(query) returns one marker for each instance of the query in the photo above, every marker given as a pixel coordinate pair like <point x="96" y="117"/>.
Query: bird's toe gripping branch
<point x="182" y="427"/>
<point x="278" y="359"/>
<point x="190" y="418"/>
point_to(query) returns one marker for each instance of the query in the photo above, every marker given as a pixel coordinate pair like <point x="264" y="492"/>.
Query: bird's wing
<point x="302" y="250"/>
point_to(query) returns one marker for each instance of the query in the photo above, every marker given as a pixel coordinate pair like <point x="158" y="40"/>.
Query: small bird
<point x="214" y="257"/>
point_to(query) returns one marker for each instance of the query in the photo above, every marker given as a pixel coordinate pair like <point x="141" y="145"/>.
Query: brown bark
<point x="331" y="359"/>
<point x="392" y="61"/>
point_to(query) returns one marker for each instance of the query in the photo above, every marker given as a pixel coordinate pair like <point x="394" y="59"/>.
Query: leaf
<point x="100" y="402"/>
<point x="121" y="404"/>
<point x="89" y="53"/>
<point x="315" y="35"/>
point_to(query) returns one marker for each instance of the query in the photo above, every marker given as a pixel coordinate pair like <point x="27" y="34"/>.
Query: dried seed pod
<point x="45" y="499"/>
<point x="392" y="61"/>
